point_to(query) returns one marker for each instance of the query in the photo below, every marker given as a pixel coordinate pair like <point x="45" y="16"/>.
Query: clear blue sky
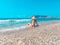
<point x="26" y="8"/>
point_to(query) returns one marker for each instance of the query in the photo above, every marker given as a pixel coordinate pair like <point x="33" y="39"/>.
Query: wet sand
<point x="44" y="34"/>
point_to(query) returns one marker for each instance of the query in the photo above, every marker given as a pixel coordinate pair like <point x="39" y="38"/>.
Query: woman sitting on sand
<point x="33" y="22"/>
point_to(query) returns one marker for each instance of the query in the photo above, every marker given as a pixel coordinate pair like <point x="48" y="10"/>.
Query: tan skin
<point x="33" y="23"/>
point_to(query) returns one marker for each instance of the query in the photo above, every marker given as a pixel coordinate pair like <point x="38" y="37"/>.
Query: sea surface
<point x="14" y="23"/>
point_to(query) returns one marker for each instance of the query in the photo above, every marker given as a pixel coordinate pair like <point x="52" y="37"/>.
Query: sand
<point x="44" y="34"/>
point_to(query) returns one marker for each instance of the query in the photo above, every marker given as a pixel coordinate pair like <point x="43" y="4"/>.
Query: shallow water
<point x="21" y="23"/>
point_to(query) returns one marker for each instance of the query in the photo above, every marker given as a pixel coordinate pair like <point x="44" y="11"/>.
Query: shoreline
<point x="13" y="28"/>
<point x="45" y="33"/>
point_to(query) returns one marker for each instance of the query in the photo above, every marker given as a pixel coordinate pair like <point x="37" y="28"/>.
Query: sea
<point x="9" y="24"/>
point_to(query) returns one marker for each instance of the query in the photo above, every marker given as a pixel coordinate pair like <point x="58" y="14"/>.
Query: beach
<point x="44" y="34"/>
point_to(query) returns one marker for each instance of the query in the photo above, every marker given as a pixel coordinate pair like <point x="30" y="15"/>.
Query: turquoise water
<point x="14" y="22"/>
<point x="5" y="23"/>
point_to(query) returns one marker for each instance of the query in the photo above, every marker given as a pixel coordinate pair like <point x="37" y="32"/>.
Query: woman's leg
<point x="31" y="25"/>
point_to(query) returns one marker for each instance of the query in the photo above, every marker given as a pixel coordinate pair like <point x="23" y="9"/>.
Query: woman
<point x="33" y="22"/>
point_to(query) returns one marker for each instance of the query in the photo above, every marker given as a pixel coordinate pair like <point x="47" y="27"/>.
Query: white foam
<point x="13" y="28"/>
<point x="7" y="21"/>
<point x="4" y="21"/>
<point x="22" y="20"/>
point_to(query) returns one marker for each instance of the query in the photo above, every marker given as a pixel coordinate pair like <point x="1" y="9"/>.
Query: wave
<point x="23" y="20"/>
<point x="13" y="28"/>
<point x="13" y="20"/>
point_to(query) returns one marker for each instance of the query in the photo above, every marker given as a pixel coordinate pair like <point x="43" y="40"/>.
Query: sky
<point x="27" y="8"/>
